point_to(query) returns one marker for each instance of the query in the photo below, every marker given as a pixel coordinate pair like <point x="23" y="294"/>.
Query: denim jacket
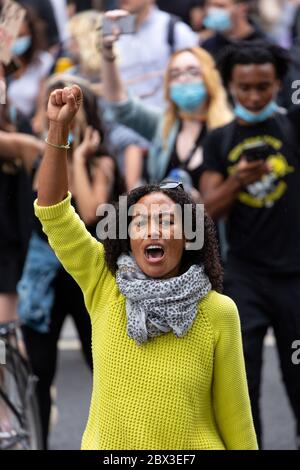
<point x="36" y="295"/>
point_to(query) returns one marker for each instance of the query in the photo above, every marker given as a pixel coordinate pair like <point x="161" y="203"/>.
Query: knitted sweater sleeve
<point x="230" y="390"/>
<point x="81" y="255"/>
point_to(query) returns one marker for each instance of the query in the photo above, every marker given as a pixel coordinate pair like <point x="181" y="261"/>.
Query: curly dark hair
<point x="253" y="52"/>
<point x="208" y="255"/>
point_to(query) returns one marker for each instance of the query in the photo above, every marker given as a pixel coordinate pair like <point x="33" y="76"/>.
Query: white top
<point x="143" y="56"/>
<point x="23" y="92"/>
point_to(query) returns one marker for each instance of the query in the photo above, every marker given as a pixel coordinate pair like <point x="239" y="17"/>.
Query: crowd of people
<point x="197" y="105"/>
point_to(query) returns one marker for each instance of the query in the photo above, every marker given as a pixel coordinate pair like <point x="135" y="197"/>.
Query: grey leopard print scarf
<point x="154" y="306"/>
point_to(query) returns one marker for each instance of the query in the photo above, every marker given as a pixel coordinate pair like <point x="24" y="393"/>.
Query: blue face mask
<point x="254" y="118"/>
<point x="218" y="19"/>
<point x="21" y="45"/>
<point x="188" y="96"/>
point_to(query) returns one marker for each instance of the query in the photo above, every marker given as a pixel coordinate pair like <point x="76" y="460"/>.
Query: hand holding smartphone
<point x="119" y="25"/>
<point x="257" y="151"/>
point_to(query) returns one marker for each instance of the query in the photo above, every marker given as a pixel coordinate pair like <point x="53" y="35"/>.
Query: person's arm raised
<point x="126" y="109"/>
<point x="113" y="88"/>
<point x="53" y="178"/>
<point x="81" y="255"/>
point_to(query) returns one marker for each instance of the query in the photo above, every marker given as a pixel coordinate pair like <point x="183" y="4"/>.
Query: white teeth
<point x="154" y="247"/>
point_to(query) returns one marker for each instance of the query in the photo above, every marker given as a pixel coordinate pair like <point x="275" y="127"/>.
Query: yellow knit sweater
<point x="169" y="393"/>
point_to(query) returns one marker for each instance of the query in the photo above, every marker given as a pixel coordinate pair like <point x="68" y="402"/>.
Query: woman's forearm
<point x="53" y="173"/>
<point x="220" y="200"/>
<point x="112" y="84"/>
<point x="20" y="146"/>
<point x="87" y="196"/>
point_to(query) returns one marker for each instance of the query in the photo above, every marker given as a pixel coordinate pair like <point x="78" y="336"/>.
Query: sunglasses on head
<point x="171" y="185"/>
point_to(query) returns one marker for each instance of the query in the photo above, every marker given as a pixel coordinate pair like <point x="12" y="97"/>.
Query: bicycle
<point x="17" y="395"/>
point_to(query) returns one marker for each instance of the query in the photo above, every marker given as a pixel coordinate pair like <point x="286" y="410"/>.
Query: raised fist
<point x="64" y="104"/>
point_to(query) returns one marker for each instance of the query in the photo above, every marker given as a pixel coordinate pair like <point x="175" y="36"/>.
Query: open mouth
<point x="154" y="253"/>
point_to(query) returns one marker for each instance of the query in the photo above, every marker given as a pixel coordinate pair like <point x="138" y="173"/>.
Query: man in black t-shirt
<point x="252" y="179"/>
<point x="230" y="21"/>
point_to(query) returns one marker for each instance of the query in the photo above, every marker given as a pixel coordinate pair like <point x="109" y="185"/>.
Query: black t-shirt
<point x="263" y="228"/>
<point x="217" y="43"/>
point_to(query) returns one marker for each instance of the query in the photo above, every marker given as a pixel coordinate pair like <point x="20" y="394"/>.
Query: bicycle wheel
<point x="18" y="395"/>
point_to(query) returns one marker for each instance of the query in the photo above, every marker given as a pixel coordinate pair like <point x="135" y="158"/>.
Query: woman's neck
<point x="191" y="125"/>
<point x="143" y="15"/>
<point x="198" y="116"/>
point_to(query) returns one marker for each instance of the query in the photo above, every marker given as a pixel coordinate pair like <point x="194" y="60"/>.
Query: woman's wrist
<point x="58" y="133"/>
<point x="79" y="156"/>
<point x="108" y="53"/>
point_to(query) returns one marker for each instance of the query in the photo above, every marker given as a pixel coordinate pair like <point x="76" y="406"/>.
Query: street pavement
<point x="74" y="383"/>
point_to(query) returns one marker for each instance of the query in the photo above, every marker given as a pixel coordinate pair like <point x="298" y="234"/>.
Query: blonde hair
<point x="84" y="27"/>
<point x="218" y="111"/>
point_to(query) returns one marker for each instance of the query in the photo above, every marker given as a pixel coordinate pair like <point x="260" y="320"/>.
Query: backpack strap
<point x="171" y="31"/>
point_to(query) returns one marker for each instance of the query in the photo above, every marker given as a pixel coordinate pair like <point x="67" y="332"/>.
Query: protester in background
<point x="252" y="178"/>
<point x="15" y="221"/>
<point x="142" y="67"/>
<point x="196" y="102"/>
<point x="15" y="229"/>
<point x="230" y="21"/>
<point x="25" y="86"/>
<point x="16" y="151"/>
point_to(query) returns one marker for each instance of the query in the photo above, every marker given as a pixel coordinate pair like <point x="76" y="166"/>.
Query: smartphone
<point x="125" y="24"/>
<point x="256" y="151"/>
